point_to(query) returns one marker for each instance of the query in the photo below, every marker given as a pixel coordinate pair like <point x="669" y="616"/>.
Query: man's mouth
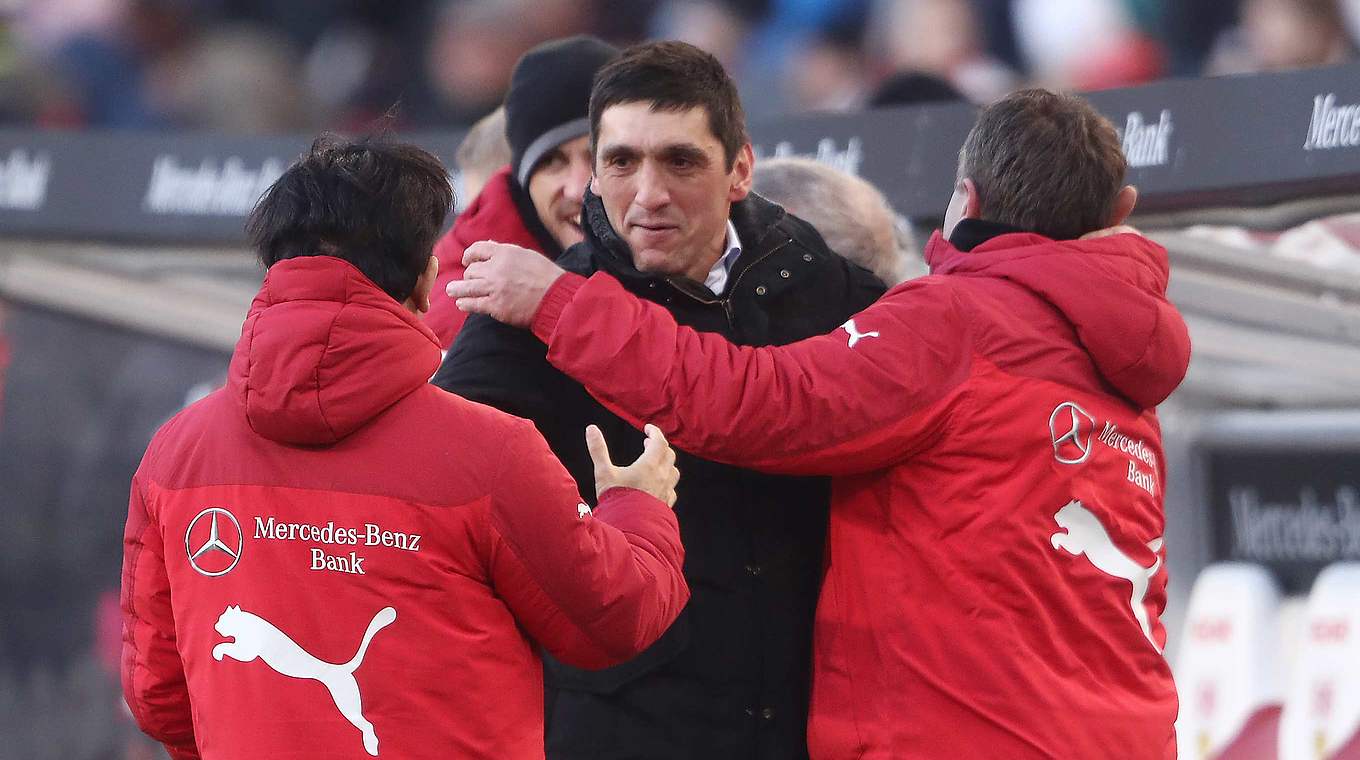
<point x="654" y="228"/>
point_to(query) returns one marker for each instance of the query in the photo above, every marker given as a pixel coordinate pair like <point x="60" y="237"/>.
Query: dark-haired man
<point x="671" y="219"/>
<point x="995" y="570"/>
<point x="316" y="580"/>
<point x="536" y="200"/>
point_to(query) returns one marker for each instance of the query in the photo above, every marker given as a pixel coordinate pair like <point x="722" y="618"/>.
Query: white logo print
<point x="855" y="334"/>
<point x="582" y="511"/>
<point x="213" y="547"/>
<point x="1071" y="428"/>
<point x="1084" y="534"/>
<point x="257" y="637"/>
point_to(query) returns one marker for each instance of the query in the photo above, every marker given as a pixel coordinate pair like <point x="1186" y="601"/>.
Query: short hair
<point x="377" y="204"/>
<point x="851" y="215"/>
<point x="1044" y="162"/>
<point x="483" y="151"/>
<point x="672" y="76"/>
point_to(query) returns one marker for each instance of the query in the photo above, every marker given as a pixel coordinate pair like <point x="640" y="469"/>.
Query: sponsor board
<point x="1293" y="511"/>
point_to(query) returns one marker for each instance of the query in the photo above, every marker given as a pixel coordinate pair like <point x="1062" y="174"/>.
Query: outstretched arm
<point x="863" y="397"/>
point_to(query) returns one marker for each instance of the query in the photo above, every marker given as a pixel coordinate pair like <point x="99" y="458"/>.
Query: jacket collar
<point x="971" y="233"/>
<point x="753" y="217"/>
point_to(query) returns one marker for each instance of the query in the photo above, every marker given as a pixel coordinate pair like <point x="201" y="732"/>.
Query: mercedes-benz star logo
<point x="213" y="545"/>
<point x="1071" y="428"/>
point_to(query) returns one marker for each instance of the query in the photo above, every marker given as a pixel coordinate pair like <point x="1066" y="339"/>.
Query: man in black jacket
<point x="670" y="215"/>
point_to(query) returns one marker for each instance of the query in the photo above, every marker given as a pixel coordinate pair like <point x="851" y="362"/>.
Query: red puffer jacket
<point x="995" y="573"/>
<point x="492" y="215"/>
<point x="309" y="573"/>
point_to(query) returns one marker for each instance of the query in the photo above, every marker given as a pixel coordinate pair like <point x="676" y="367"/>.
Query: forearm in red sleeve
<point x="594" y="590"/>
<point x="152" y="672"/>
<point x="829" y="405"/>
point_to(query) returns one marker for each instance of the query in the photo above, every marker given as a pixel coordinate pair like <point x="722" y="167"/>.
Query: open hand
<point x="653" y="472"/>
<point x="503" y="281"/>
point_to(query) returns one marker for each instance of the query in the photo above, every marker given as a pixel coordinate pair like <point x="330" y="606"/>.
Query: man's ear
<point x="1123" y="205"/>
<point x="972" y="202"/>
<point x="743" y="168"/>
<point x="419" y="302"/>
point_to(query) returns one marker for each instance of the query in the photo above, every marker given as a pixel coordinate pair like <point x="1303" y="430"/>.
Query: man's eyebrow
<point x="687" y="152"/>
<point x="618" y="151"/>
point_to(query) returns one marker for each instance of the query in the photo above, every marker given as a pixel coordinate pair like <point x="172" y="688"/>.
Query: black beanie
<point x="549" y="98"/>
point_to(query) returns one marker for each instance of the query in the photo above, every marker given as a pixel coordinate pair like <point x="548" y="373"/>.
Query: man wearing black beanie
<point x="535" y="202"/>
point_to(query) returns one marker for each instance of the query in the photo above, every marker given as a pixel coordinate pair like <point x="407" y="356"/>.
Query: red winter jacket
<point x="493" y="215"/>
<point x="995" y="570"/>
<point x="308" y="574"/>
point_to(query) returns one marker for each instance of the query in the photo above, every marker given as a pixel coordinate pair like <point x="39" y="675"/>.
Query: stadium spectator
<point x="995" y="576"/>
<point x="536" y="201"/>
<point x="671" y="219"/>
<point x="318" y="527"/>
<point x="943" y="38"/>
<point x="851" y="215"/>
<point x="482" y="153"/>
<point x="1276" y="35"/>
<point x="241" y="79"/>
<point x="472" y="53"/>
<point x="907" y="88"/>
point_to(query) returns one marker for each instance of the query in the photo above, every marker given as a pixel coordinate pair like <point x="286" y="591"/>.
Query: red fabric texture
<point x="492" y="215"/>
<point x="994" y="584"/>
<point x="385" y="589"/>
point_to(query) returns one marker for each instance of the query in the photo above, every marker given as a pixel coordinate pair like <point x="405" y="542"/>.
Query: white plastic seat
<point x="1321" y="719"/>
<point x="1228" y="672"/>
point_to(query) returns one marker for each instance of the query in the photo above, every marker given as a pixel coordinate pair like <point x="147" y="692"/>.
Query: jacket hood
<point x="1111" y="289"/>
<point x="323" y="351"/>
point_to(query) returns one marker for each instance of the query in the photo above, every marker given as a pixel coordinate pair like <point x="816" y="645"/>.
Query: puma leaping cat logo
<point x="1084" y="534"/>
<point x="257" y="637"/>
<point x="855" y="335"/>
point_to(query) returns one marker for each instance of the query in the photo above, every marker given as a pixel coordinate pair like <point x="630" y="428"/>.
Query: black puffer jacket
<point x="730" y="678"/>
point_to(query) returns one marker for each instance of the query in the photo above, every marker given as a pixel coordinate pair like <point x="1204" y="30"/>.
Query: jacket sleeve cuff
<point x="629" y="509"/>
<point x="554" y="302"/>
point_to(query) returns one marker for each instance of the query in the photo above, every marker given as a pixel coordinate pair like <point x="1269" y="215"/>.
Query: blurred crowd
<point x="256" y="66"/>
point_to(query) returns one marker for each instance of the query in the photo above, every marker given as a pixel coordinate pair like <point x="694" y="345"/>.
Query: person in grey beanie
<point x="536" y="200"/>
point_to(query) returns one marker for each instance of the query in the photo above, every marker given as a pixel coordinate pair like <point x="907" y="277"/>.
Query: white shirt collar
<point x="716" y="280"/>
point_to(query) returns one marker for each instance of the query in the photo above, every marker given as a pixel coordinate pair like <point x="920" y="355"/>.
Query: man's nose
<point x="577" y="180"/>
<point x="652" y="192"/>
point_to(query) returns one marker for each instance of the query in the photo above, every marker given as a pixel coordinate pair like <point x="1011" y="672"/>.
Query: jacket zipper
<point x="726" y="303"/>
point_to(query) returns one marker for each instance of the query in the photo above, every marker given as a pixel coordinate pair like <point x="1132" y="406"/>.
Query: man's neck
<point x="717" y="249"/>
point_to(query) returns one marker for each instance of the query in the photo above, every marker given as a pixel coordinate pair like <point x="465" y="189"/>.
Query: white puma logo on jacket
<point x="855" y="335"/>
<point x="257" y="637"/>
<point x="1084" y="534"/>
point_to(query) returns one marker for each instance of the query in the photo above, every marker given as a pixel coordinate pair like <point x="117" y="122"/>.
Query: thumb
<point x="599" y="450"/>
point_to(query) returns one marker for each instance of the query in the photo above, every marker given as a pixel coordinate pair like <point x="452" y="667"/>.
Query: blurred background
<point x="110" y="324"/>
<point x="253" y="66"/>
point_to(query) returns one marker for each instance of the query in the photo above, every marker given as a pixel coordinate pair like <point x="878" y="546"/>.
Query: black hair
<point x="375" y="203"/>
<point x="672" y="76"/>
